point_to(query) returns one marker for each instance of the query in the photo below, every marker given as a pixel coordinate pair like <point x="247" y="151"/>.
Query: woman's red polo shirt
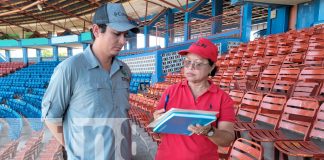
<point x="195" y="147"/>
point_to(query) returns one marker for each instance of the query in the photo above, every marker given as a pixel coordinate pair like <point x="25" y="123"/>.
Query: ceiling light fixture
<point x="39" y="6"/>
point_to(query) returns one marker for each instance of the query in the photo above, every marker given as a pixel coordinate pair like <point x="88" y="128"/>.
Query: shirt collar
<point x="93" y="61"/>
<point x="91" y="58"/>
<point x="212" y="88"/>
<point x="116" y="65"/>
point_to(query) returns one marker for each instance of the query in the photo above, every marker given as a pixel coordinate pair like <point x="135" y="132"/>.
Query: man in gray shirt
<point x="86" y="103"/>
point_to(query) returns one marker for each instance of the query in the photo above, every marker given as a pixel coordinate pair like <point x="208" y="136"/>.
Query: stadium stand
<point x="275" y="81"/>
<point x="276" y="99"/>
<point x="10" y="67"/>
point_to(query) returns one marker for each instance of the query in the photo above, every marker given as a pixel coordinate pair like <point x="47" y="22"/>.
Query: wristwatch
<point x="211" y="132"/>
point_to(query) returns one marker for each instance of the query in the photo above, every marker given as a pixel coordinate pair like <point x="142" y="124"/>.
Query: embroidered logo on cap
<point x="200" y="44"/>
<point x="119" y="14"/>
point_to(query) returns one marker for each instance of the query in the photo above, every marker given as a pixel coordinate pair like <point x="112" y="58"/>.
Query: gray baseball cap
<point x="115" y="17"/>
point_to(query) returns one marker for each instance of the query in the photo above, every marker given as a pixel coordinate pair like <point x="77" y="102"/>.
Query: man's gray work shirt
<point x="91" y="103"/>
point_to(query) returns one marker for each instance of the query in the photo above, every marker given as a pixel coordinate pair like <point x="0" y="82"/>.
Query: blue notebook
<point x="176" y="121"/>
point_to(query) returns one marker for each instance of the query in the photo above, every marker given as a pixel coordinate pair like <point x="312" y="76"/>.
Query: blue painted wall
<point x="318" y="11"/>
<point x="280" y="23"/>
<point x="310" y="13"/>
<point x="305" y="14"/>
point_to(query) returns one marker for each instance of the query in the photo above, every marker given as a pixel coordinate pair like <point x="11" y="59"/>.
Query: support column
<point x="269" y="21"/>
<point x="84" y="46"/>
<point x="279" y="22"/>
<point x="158" y="76"/>
<point x="318" y="11"/>
<point x="55" y="53"/>
<point x="25" y="55"/>
<point x="69" y="52"/>
<point x="39" y="55"/>
<point x="147" y="36"/>
<point x="8" y="56"/>
<point x="246" y="21"/>
<point x="217" y="10"/>
<point x="187" y="27"/>
<point x="132" y="43"/>
<point x="169" y="21"/>
<point x="224" y="47"/>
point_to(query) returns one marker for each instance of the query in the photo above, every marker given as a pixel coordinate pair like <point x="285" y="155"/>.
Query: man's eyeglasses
<point x="193" y="64"/>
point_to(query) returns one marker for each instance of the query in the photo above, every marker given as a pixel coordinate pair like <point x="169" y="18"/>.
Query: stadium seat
<point x="269" y="112"/>
<point x="243" y="149"/>
<point x="297" y="117"/>
<point x="306" y="148"/>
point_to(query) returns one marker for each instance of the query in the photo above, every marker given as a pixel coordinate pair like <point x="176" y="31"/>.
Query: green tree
<point x="47" y="53"/>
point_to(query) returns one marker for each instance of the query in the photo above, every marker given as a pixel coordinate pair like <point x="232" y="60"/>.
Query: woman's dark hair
<point x="102" y="28"/>
<point x="214" y="71"/>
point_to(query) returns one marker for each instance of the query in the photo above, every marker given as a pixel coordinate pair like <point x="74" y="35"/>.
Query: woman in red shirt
<point x="198" y="93"/>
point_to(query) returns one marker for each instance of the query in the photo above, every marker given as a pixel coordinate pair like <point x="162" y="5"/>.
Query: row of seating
<point x="14" y="121"/>
<point x="270" y="95"/>
<point x="10" y="67"/>
<point x="16" y="90"/>
<point x="32" y="99"/>
<point x="52" y="151"/>
<point x="300" y="115"/>
<point x="32" y="147"/>
<point x="138" y="79"/>
<point x="9" y="150"/>
<point x="27" y="110"/>
<point x="22" y="96"/>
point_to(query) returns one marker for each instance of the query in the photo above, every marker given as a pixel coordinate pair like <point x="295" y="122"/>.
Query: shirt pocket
<point x="89" y="99"/>
<point x="121" y="95"/>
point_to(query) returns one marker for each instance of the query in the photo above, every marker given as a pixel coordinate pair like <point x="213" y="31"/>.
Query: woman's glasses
<point x="193" y="64"/>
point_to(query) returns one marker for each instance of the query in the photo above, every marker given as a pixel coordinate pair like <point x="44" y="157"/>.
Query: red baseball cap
<point x="204" y="48"/>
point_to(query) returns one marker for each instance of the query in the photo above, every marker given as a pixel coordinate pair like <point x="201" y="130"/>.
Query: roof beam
<point x="65" y="12"/>
<point x="157" y="17"/>
<point x="5" y="21"/>
<point x="173" y="5"/>
<point x="20" y="9"/>
<point x="155" y="3"/>
<point x="198" y="5"/>
<point x="39" y="18"/>
<point x="95" y="5"/>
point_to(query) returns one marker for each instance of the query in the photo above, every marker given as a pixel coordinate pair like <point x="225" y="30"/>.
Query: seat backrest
<point x="321" y="92"/>
<point x="276" y="61"/>
<point x="285" y="80"/>
<point x="299" y="114"/>
<point x="250" y="104"/>
<point x="305" y="89"/>
<point x="314" y="58"/>
<point x="309" y="81"/>
<point x="237" y="96"/>
<point x="284" y="50"/>
<point x="217" y="78"/>
<point x="293" y="60"/>
<point x="267" y="79"/>
<point x="239" y="81"/>
<point x="243" y="149"/>
<point x="226" y="79"/>
<point x="313" y="74"/>
<point x="271" y="108"/>
<point x="318" y="127"/>
<point x="259" y="52"/>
